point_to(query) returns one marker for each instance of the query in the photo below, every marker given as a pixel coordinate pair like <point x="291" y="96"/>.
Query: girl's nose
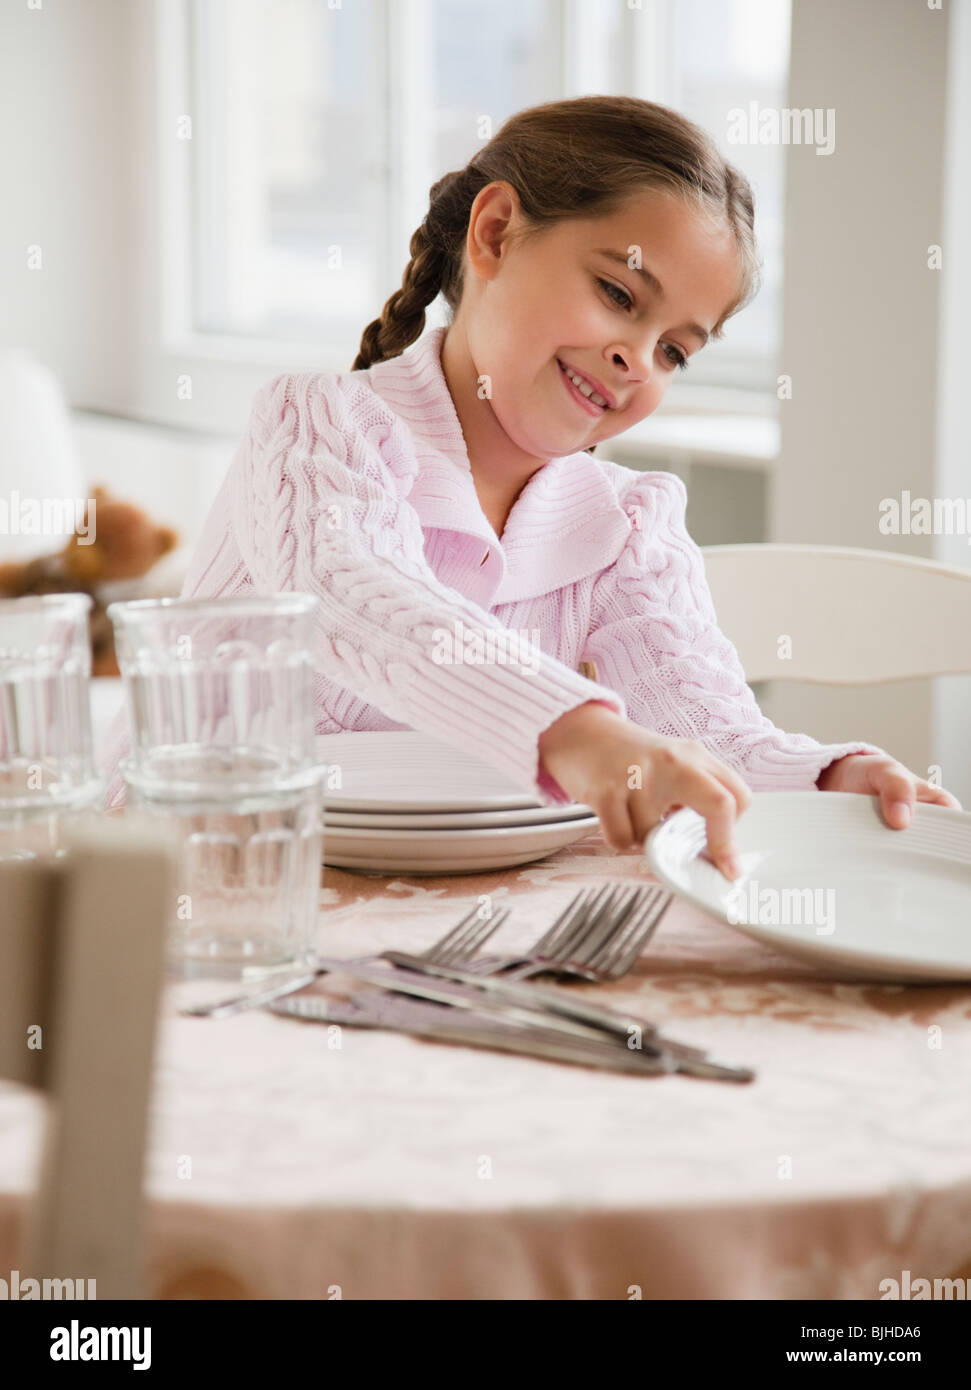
<point x="634" y="361"/>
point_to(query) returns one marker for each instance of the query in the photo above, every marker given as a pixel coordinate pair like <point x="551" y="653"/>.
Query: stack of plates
<point x="409" y="803"/>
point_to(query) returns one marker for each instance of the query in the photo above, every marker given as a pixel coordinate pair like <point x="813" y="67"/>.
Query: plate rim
<point x="476" y="834"/>
<point x="818" y="950"/>
<point x="567" y="814"/>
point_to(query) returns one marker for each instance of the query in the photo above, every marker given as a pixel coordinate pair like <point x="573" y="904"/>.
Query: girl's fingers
<point x="719" y="805"/>
<point x="743" y="799"/>
<point x="721" y="835"/>
<point x="718" y="802"/>
<point x="615" y="822"/>
<point x="897" y="795"/>
<point x="646" y="817"/>
<point x="938" y="796"/>
<point x="738" y="788"/>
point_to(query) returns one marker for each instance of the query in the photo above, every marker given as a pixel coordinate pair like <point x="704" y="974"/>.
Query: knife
<point x="435" y="1021"/>
<point x="440" y="1022"/>
<point x="617" y="1025"/>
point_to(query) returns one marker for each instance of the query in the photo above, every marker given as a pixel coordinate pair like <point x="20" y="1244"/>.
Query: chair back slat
<point x="852" y="616"/>
<point x="84" y="940"/>
<point x="29" y="892"/>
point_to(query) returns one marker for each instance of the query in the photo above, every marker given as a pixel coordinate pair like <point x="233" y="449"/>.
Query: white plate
<point x="458" y="851"/>
<point x="456" y="820"/>
<point x="888" y="904"/>
<point x="403" y="770"/>
<point x="431" y="867"/>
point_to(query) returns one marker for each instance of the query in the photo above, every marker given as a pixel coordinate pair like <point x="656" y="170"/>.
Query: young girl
<point x="468" y="551"/>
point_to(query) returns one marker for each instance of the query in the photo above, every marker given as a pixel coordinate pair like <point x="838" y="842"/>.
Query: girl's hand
<point x="876" y="774"/>
<point x="591" y="752"/>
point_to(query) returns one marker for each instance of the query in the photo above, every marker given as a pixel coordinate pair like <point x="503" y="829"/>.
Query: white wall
<point x="67" y="168"/>
<point x="952" y="704"/>
<point x="861" y="329"/>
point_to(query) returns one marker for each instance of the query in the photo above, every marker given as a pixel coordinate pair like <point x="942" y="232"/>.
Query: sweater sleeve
<point x="316" y="508"/>
<point x="655" y="639"/>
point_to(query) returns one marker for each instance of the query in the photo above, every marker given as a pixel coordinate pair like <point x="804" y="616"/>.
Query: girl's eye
<point x="613" y="289"/>
<point x="673" y="354"/>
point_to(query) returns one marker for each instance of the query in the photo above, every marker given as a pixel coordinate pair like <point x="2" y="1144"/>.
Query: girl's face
<point x="568" y="298"/>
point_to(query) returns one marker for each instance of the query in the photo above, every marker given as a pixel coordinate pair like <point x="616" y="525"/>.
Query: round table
<point x="295" y="1160"/>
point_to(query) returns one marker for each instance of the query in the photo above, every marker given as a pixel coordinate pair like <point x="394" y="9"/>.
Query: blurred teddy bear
<point x="121" y="544"/>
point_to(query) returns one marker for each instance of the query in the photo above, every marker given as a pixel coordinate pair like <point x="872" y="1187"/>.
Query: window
<point x="289" y="173"/>
<point x="727" y="56"/>
<point x="319" y="126"/>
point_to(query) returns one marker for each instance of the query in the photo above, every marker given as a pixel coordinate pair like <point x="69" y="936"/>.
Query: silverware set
<point x="453" y="993"/>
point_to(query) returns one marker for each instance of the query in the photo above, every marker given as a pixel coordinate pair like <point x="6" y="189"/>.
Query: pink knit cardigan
<point x="356" y="487"/>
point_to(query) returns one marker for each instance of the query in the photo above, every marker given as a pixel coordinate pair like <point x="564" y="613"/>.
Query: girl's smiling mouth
<point x="591" y="401"/>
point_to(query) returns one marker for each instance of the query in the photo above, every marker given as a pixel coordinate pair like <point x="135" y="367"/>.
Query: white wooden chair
<point x="81" y="952"/>
<point x="853" y="616"/>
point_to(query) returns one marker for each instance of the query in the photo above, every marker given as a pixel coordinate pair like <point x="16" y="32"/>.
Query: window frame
<point x="225" y="370"/>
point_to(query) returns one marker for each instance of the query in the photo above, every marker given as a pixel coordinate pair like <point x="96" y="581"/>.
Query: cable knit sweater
<point x="356" y="487"/>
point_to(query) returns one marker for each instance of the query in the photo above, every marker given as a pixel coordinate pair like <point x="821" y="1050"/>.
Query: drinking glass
<point x="47" y="766"/>
<point x="220" y="699"/>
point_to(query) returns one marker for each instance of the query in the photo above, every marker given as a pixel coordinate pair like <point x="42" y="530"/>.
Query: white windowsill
<point x="734" y="441"/>
<point x="88" y="419"/>
<point x="739" y="441"/>
<point x="728" y="437"/>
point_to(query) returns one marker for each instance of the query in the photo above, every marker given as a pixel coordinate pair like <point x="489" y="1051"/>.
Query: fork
<point x="456" y="947"/>
<point x="564" y="941"/>
<point x="597" y="937"/>
<point x="612" y="954"/>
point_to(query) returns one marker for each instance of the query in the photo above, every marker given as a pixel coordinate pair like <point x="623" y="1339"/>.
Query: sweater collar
<point x="565" y="524"/>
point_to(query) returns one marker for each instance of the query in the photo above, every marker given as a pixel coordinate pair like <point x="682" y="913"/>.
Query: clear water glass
<point x="220" y="699"/>
<point x="47" y="768"/>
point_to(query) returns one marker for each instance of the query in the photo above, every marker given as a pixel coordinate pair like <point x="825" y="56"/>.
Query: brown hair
<point x="579" y="158"/>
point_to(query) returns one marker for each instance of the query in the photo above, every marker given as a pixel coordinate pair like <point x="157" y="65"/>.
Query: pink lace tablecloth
<point x="284" y="1165"/>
